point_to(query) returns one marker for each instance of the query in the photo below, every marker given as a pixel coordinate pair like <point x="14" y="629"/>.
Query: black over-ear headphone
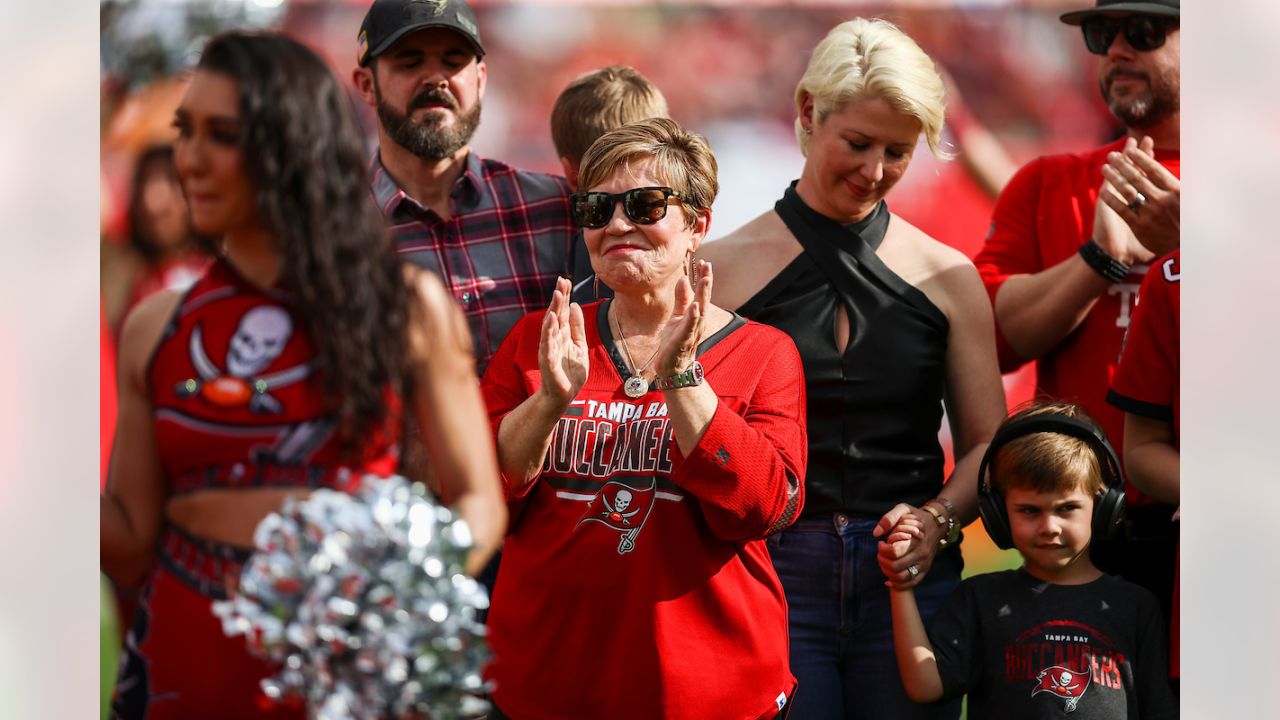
<point x="1108" y="508"/>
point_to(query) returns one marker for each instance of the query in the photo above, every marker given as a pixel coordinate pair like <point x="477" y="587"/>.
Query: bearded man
<point x="1071" y="237"/>
<point x="498" y="237"/>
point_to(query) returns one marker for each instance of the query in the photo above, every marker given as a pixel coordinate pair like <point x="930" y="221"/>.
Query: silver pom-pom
<point x="364" y="603"/>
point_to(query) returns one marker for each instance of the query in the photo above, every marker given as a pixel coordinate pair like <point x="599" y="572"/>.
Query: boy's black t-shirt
<point x="1024" y="648"/>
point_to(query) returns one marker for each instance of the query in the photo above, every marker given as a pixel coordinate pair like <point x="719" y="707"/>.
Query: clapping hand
<point x="1113" y="234"/>
<point x="1145" y="195"/>
<point x="678" y="342"/>
<point x="562" y="349"/>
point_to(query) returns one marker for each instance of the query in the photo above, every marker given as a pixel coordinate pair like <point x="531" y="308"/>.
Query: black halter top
<point x="875" y="409"/>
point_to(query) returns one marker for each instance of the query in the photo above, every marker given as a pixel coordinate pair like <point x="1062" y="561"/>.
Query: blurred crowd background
<point x="728" y="70"/>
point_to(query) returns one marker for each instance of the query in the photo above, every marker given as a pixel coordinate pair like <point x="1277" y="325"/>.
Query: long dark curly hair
<point x="307" y="163"/>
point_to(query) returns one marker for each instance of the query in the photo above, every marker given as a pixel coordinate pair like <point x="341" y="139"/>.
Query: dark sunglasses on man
<point x="1144" y="33"/>
<point x="643" y="206"/>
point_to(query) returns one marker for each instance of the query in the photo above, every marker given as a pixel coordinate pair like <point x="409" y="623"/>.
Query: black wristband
<point x="1102" y="263"/>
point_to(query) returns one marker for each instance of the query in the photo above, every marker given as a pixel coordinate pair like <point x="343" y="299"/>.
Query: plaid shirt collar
<point x="396" y="205"/>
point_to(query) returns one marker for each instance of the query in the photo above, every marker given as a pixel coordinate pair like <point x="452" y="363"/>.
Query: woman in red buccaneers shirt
<point x="648" y="444"/>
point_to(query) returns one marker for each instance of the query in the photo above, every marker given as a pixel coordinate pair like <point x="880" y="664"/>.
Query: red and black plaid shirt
<point x="499" y="254"/>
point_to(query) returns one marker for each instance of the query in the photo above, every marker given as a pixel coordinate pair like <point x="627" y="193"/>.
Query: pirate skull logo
<point x="259" y="340"/>
<point x="622" y="500"/>
<point x="618" y="512"/>
<point x="1063" y="683"/>
<point x="622" y="508"/>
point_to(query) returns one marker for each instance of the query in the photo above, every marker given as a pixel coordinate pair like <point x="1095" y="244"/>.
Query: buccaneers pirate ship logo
<point x="623" y="508"/>
<point x="259" y="339"/>
<point x="1066" y="684"/>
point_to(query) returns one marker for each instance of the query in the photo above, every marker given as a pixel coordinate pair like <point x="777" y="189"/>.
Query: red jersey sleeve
<point x="1146" y="381"/>
<point x="747" y="470"/>
<point x="505" y="384"/>
<point x="1012" y="246"/>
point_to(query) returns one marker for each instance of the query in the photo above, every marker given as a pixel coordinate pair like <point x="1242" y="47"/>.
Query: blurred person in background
<point x="498" y="237"/>
<point x="1062" y="262"/>
<point x="289" y="365"/>
<point x="980" y="151"/>
<point x="891" y="326"/>
<point x="651" y="442"/>
<point x="593" y="104"/>
<point x="162" y="252"/>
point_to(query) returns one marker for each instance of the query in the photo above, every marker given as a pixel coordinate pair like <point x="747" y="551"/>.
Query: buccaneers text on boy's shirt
<point x="1024" y="648"/>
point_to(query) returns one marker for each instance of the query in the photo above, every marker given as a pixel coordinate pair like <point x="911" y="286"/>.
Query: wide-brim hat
<point x="1161" y="8"/>
<point x="389" y="20"/>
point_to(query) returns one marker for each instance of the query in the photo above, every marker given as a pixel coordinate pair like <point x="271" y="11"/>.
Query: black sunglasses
<point x="644" y="205"/>
<point x="1144" y="33"/>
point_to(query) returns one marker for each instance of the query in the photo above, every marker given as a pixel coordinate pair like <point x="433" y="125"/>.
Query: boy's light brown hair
<point x="599" y="101"/>
<point x="1047" y="462"/>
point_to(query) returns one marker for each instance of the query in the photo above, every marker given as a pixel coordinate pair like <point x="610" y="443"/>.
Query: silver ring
<point x="1138" y="201"/>
<point x="913" y="571"/>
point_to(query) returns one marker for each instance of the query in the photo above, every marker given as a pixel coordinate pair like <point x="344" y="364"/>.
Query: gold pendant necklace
<point x="634" y="386"/>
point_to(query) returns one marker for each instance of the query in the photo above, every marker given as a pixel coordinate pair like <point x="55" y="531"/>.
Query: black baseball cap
<point x="1161" y="8"/>
<point x="389" y="20"/>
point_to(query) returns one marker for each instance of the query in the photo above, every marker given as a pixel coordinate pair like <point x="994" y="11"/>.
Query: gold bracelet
<point x="948" y="523"/>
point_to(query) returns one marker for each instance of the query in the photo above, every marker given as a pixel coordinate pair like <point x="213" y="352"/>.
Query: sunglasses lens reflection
<point x="592" y="210"/>
<point x="646" y="206"/>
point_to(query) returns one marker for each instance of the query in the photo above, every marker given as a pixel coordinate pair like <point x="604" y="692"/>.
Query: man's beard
<point x="1148" y="107"/>
<point x="429" y="138"/>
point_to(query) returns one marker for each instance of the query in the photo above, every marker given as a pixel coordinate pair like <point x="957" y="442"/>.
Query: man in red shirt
<point x="1063" y="261"/>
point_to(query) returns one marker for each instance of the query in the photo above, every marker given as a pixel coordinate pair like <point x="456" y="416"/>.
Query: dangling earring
<point x="691" y="270"/>
<point x="596" y="286"/>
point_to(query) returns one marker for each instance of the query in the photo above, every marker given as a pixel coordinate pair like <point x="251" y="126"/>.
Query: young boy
<point x="1057" y="636"/>
<point x="590" y="106"/>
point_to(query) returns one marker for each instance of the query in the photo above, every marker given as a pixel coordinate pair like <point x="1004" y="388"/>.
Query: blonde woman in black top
<point x="892" y="326"/>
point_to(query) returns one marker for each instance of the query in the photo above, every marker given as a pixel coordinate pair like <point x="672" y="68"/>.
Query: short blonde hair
<point x="864" y="59"/>
<point x="683" y="160"/>
<point x="1048" y="461"/>
<point x="599" y="101"/>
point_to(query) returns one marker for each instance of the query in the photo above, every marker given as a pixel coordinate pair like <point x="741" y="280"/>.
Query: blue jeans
<point x="840" y="624"/>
